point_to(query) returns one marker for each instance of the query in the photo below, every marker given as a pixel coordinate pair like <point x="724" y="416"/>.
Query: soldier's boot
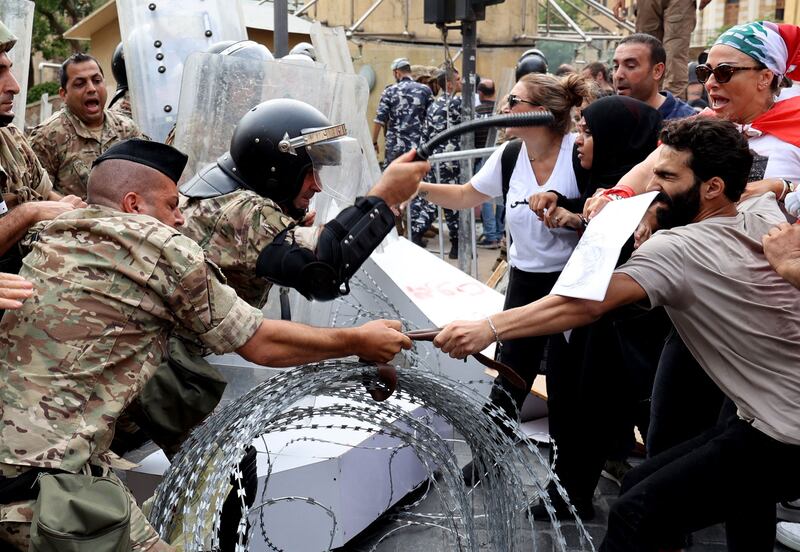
<point x="453" y="249"/>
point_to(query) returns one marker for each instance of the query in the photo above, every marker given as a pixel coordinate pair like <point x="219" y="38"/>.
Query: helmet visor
<point x="338" y="173"/>
<point x="337" y="167"/>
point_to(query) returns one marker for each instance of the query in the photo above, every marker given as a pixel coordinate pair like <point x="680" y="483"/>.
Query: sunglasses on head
<point x="513" y="100"/>
<point x="722" y="72"/>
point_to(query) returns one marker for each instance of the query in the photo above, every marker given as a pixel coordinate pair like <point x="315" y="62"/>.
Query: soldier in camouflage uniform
<point x="112" y="281"/>
<point x="401" y="112"/>
<point x="69" y="141"/>
<point x="443" y="113"/>
<point x="24" y="184"/>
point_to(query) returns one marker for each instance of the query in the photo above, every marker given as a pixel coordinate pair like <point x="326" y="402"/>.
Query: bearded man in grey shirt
<point x="738" y="317"/>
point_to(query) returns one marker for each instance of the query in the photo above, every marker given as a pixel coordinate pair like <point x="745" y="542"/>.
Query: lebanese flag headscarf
<point x="777" y="46"/>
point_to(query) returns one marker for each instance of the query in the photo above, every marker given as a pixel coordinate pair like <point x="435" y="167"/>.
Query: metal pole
<point x="467" y="260"/>
<point x="364" y="17"/>
<point x="280" y="33"/>
<point x="305" y="8"/>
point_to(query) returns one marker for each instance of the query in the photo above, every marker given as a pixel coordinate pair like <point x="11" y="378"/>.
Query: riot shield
<point x="158" y="37"/>
<point x="17" y="15"/>
<point x="218" y="90"/>
<point x="338" y="165"/>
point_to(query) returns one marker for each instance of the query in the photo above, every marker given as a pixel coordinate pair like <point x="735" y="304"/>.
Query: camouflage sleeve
<point x="384" y="107"/>
<point x="265" y="222"/>
<point x="43" y="184"/>
<point x="195" y="291"/>
<point x="45" y="150"/>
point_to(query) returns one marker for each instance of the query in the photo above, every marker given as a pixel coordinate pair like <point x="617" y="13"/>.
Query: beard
<point x="6" y="119"/>
<point x="678" y="210"/>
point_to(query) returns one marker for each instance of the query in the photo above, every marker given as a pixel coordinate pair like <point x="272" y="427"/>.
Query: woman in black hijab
<point x="605" y="370"/>
<point x="616" y="133"/>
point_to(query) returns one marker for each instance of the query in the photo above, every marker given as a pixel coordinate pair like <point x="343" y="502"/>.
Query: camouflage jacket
<point x="67" y="148"/>
<point x="21" y="173"/>
<point x="443" y="113"/>
<point x="110" y="287"/>
<point x="23" y="176"/>
<point x="401" y="110"/>
<point x="232" y="229"/>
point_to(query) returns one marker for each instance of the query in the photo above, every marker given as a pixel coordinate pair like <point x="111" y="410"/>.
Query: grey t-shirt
<point x="738" y="317"/>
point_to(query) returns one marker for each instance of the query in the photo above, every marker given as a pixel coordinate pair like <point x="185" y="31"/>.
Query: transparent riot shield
<point x="158" y="37"/>
<point x="218" y="90"/>
<point x="17" y="15"/>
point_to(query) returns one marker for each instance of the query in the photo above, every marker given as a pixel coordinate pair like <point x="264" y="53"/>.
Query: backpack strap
<point x="508" y="161"/>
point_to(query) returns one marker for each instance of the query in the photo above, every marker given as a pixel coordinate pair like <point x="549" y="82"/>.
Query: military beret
<point x="161" y="157"/>
<point x="7" y="38"/>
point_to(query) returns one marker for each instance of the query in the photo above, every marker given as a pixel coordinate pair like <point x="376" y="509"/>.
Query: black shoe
<point x="585" y="511"/>
<point x="453" y="250"/>
<point x="419" y="240"/>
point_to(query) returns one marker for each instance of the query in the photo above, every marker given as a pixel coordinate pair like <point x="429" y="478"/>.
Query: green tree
<point x="51" y="18"/>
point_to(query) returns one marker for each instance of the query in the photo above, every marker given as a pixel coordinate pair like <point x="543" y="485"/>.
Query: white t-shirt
<point x="535" y="248"/>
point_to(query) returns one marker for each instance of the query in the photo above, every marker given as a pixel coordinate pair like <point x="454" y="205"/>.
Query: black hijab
<point x="625" y="132"/>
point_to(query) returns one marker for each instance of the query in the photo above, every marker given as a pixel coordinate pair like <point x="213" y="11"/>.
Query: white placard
<point x="588" y="271"/>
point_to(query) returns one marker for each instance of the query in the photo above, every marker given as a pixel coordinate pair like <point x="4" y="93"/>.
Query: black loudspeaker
<point x="439" y="12"/>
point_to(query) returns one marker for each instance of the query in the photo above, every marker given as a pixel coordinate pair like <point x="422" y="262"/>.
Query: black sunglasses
<point x="513" y="100"/>
<point x="722" y="72"/>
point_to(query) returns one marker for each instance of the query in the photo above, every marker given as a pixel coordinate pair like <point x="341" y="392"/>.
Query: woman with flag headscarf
<point x="745" y="71"/>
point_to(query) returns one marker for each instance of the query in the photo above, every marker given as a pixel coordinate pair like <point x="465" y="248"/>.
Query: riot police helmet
<point x="118" y="68"/>
<point x="305" y="49"/>
<point x="255" y="159"/>
<point x="242" y="49"/>
<point x="532" y="63"/>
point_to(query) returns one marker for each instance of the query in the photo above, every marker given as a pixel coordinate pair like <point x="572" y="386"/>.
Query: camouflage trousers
<point x="423" y="213"/>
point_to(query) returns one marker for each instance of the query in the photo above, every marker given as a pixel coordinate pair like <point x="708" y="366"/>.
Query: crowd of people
<point x="726" y="167"/>
<point x="116" y="281"/>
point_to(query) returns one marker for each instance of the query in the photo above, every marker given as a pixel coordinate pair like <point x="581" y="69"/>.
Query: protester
<point x="540" y="159"/>
<point x="598" y="72"/>
<point x="607" y="366"/>
<point x="639" y="62"/>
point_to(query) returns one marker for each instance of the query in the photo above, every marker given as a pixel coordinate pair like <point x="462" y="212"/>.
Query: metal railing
<point x="436" y="161"/>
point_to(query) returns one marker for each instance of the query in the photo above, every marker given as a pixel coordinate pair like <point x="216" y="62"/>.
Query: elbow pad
<point x="343" y="245"/>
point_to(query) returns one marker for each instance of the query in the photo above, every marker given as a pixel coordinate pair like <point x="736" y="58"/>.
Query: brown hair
<point x="559" y="96"/>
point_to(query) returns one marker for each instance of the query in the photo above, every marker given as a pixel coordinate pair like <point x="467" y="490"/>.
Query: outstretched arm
<point x="280" y="343"/>
<point x="452" y="196"/>
<point x="549" y="315"/>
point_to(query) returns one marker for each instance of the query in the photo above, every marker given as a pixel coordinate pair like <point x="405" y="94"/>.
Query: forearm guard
<point x="343" y="245"/>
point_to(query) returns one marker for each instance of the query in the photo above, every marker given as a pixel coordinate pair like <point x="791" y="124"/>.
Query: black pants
<point x="686" y="402"/>
<point x="699" y="483"/>
<point x="524" y="355"/>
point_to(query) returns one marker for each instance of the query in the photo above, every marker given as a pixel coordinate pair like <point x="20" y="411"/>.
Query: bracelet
<point x="494" y="330"/>
<point x="785" y="189"/>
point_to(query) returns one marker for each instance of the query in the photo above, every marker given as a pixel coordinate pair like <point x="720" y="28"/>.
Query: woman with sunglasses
<point x="743" y="75"/>
<point x="537" y="254"/>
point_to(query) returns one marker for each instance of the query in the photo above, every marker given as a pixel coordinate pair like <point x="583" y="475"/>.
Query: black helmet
<point x="532" y="52"/>
<point x="254" y="158"/>
<point x="533" y="62"/>
<point x="118" y="68"/>
<point x="242" y="49"/>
